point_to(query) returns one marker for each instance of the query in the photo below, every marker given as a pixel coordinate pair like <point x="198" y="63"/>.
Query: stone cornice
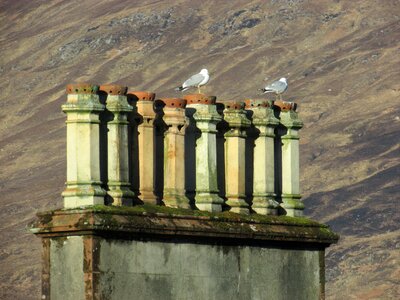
<point x="161" y="222"/>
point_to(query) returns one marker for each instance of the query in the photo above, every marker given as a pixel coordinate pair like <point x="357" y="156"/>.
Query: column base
<point x="176" y="201"/>
<point x="266" y="211"/>
<point x="292" y="205"/>
<point x="240" y="210"/>
<point x="83" y="194"/>
<point x="209" y="202"/>
<point x="265" y="205"/>
<point x="79" y="201"/>
<point x="293" y="212"/>
<point x="120" y="193"/>
<point x="238" y="205"/>
<point x="148" y="197"/>
<point x="121" y="197"/>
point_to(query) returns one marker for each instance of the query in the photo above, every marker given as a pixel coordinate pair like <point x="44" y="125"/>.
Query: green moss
<point x="154" y="217"/>
<point x="140" y="209"/>
<point x="328" y="233"/>
<point x="149" y="209"/>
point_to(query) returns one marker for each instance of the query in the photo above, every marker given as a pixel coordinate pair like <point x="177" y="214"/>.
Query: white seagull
<point x="277" y="87"/>
<point x="196" y="80"/>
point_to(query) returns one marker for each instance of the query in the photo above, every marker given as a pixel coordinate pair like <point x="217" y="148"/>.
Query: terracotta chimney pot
<point x="82" y="88"/>
<point x="233" y="104"/>
<point x="256" y="103"/>
<point x="142" y="96"/>
<point x="174" y="102"/>
<point x="200" y="99"/>
<point x="285" y="106"/>
<point x="113" y="89"/>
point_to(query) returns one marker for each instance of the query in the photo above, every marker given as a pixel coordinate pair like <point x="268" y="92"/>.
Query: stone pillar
<point x="117" y="145"/>
<point x="83" y="144"/>
<point x="147" y="115"/>
<point x="206" y="118"/>
<point x="264" y="198"/>
<point x="290" y="159"/>
<point x="235" y="116"/>
<point x="174" y="153"/>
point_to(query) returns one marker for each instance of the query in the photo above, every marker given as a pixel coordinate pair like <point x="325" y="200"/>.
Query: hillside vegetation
<point x="342" y="59"/>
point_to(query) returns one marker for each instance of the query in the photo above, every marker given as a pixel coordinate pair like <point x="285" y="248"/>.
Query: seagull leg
<point x="198" y="88"/>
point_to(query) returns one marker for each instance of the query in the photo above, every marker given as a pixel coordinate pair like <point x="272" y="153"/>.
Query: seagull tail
<point x="181" y="89"/>
<point x="267" y="91"/>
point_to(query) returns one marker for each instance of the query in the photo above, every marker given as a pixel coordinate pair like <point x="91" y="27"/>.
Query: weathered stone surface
<point x="147" y="115"/>
<point x="66" y="268"/>
<point x="207" y="256"/>
<point x="235" y="116"/>
<point x="291" y="163"/>
<point x="205" y="117"/>
<point x="83" y="146"/>
<point x="159" y="220"/>
<point x="174" y="153"/>
<point x="117" y="149"/>
<point x="264" y="121"/>
<point x="192" y="271"/>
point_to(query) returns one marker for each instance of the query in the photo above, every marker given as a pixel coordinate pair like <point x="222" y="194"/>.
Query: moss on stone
<point x="154" y="219"/>
<point x="150" y="209"/>
<point x="328" y="233"/>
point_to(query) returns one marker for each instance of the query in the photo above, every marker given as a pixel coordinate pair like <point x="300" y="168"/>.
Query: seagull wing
<point x="276" y="86"/>
<point x="193" y="81"/>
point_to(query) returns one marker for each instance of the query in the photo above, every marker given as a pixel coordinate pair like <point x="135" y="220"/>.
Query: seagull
<point x="277" y="87"/>
<point x="196" y="80"/>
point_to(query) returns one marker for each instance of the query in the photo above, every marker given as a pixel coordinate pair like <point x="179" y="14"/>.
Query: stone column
<point x="235" y="116"/>
<point x="174" y="153"/>
<point x="206" y="118"/>
<point x="264" y="198"/>
<point x="290" y="159"/>
<point x="147" y="115"/>
<point x="117" y="145"/>
<point x="83" y="144"/>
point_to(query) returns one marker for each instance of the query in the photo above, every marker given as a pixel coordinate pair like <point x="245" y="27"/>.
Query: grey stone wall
<point x="66" y="268"/>
<point x="155" y="270"/>
<point x="121" y="253"/>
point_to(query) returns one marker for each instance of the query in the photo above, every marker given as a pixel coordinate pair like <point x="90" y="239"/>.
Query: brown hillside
<point x="342" y="59"/>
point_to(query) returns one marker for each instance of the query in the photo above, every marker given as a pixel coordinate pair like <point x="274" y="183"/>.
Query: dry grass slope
<point x="342" y="61"/>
